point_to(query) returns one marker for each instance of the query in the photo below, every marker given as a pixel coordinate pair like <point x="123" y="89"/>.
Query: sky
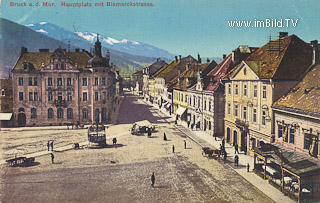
<point x="181" y="27"/>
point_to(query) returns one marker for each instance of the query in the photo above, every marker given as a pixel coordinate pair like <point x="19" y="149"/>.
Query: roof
<point x="279" y="57"/>
<point x="140" y="72"/>
<point x="293" y="161"/>
<point x="305" y="96"/>
<point x="189" y="77"/>
<point x="163" y="71"/>
<point x="153" y="68"/>
<point x="37" y="58"/>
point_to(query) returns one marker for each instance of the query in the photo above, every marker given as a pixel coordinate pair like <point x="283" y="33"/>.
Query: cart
<point x="209" y="152"/>
<point x="97" y="135"/>
<point x="142" y="127"/>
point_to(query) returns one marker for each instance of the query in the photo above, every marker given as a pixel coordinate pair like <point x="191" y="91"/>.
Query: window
<point x="84" y="81"/>
<point x="186" y="99"/>
<point x="103" y="81"/>
<point x="33" y="113"/>
<point x="85" y="96"/>
<point x="307" y="140"/>
<point x="244" y="71"/>
<point x="50" y="113"/>
<point x="292" y="131"/>
<point x="69" y="96"/>
<point x="199" y="102"/>
<point x="264" y="92"/>
<point x="229" y="108"/>
<point x="194" y="101"/>
<point x="35" y="96"/>
<point x="20" y="96"/>
<point x="60" y="96"/>
<point x="62" y="66"/>
<point x="280" y="131"/>
<point x="236" y="110"/>
<point x="49" y="81"/>
<point x="229" y="88"/>
<point x="68" y="81"/>
<point x="245" y="113"/>
<point x="30" y="96"/>
<point x="209" y="105"/>
<point x="245" y="90"/>
<point x="69" y="113"/>
<point x="96" y="81"/>
<point x="3" y="92"/>
<point x="236" y="90"/>
<point x="59" y="81"/>
<point x="84" y="113"/>
<point x="190" y="101"/>
<point x="254" y="117"/>
<point x="30" y="81"/>
<point x="255" y="90"/>
<point x="49" y="96"/>
<point x="104" y="94"/>
<point x="96" y="96"/>
<point x="60" y="113"/>
<point x="57" y="66"/>
<point x="20" y="81"/>
<point x="263" y="117"/>
<point x="35" y="81"/>
<point x="205" y="104"/>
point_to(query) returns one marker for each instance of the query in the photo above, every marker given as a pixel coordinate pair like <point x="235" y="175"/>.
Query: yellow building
<point x="256" y="83"/>
<point x="180" y="103"/>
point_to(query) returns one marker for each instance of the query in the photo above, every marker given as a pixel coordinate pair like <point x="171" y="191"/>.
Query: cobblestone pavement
<point x="122" y="173"/>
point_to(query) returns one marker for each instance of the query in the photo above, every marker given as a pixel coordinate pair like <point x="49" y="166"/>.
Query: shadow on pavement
<point x="27" y="165"/>
<point x="115" y="146"/>
<point x="161" y="186"/>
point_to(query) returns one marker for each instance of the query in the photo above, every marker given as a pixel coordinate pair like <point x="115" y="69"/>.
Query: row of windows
<point x="245" y="113"/>
<point x="33" y="81"/>
<point x="245" y="90"/>
<point x="60" y="113"/>
<point x="206" y="107"/>
<point x="179" y="96"/>
<point x="96" y="96"/>
<point x="284" y="132"/>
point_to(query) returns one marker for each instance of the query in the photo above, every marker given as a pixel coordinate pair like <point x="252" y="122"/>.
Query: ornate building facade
<point x="55" y="88"/>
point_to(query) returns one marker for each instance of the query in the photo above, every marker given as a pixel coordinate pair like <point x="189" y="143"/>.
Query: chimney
<point x="24" y="50"/>
<point x="235" y="56"/>
<point x="199" y="59"/>
<point x="176" y="58"/>
<point x="224" y="56"/>
<point x="282" y="34"/>
<point x="315" y="55"/>
<point x="179" y="57"/>
<point x="43" y="50"/>
<point x="208" y="60"/>
<point x="157" y="59"/>
<point x="77" y="50"/>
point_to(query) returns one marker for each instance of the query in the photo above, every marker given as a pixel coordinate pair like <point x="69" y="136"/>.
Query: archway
<point x="235" y="137"/>
<point x="21" y="119"/>
<point x="228" y="134"/>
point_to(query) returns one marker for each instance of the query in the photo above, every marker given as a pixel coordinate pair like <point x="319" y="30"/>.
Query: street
<point x="122" y="173"/>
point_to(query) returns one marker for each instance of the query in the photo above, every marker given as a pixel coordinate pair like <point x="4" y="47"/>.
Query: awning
<point x="5" y="116"/>
<point x="180" y="110"/>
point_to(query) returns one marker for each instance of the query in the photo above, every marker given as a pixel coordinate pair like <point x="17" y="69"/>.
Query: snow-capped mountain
<point x="75" y="39"/>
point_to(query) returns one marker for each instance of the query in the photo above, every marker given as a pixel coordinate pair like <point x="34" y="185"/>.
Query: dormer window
<point x="25" y="66"/>
<point x="62" y="66"/>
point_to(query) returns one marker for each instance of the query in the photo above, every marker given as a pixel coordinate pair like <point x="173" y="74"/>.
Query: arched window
<point x="21" y="110"/>
<point x="60" y="113"/>
<point x="50" y="113"/>
<point x="69" y="113"/>
<point x="85" y="113"/>
<point x="33" y="113"/>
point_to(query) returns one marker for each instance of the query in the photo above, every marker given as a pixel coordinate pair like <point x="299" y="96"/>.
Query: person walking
<point x="236" y="148"/>
<point x="248" y="167"/>
<point x="51" y="145"/>
<point x="225" y="155"/>
<point x="223" y="142"/>
<point x="52" y="158"/>
<point x="153" y="179"/>
<point x="185" y="144"/>
<point x="172" y="148"/>
<point x="236" y="160"/>
<point x="164" y="137"/>
<point x="48" y="144"/>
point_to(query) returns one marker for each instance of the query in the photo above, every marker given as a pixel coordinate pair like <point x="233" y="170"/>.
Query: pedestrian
<point x="153" y="179"/>
<point x="223" y="142"/>
<point x="51" y="145"/>
<point x="52" y="158"/>
<point x="245" y="150"/>
<point x="225" y="155"/>
<point x="236" y="160"/>
<point x="48" y="144"/>
<point x="188" y="124"/>
<point x="164" y="137"/>
<point x="185" y="144"/>
<point x="236" y="148"/>
<point x="115" y="141"/>
<point x="173" y="148"/>
<point x="248" y="167"/>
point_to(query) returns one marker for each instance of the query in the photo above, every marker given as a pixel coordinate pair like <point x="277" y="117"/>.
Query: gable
<point x="244" y="72"/>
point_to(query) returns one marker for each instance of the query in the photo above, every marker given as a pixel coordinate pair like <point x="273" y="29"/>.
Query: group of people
<point x="50" y="144"/>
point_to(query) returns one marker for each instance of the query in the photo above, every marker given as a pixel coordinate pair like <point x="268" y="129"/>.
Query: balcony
<point x="60" y="103"/>
<point x="242" y="124"/>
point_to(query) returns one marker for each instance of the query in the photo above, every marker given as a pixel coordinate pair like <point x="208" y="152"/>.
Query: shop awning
<point x="181" y="110"/>
<point x="5" y="116"/>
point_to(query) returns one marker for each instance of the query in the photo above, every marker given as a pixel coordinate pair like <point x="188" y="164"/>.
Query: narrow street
<point x="122" y="173"/>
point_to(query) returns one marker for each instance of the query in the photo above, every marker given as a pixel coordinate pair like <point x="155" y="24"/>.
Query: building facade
<point x="55" y="88"/>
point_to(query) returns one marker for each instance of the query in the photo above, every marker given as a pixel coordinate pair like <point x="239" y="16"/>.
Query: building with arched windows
<point x="60" y="87"/>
